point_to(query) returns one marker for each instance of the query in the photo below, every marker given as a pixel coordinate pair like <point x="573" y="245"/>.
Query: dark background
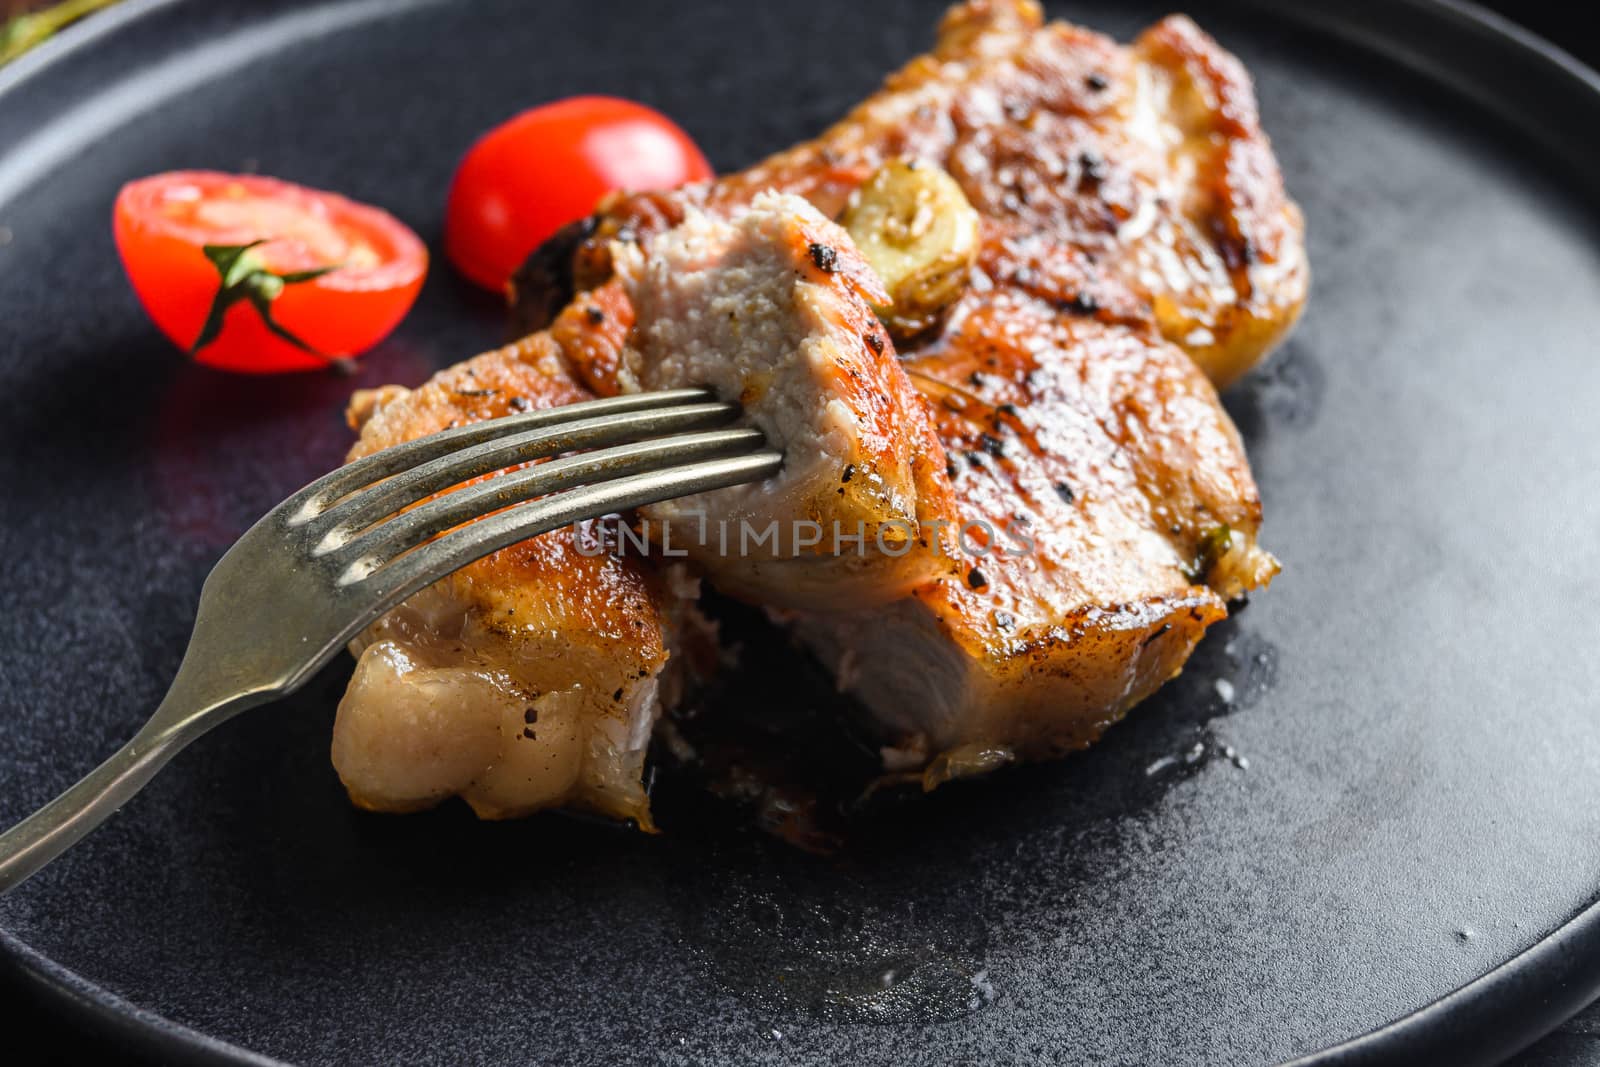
<point x="33" y="1030"/>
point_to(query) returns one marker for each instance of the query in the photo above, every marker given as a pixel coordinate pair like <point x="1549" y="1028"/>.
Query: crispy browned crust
<point x="610" y="599"/>
<point x="1124" y="514"/>
<point x="1150" y="158"/>
<point x="544" y="613"/>
<point x="1103" y="460"/>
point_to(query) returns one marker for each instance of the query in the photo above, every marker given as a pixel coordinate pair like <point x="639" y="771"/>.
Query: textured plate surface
<point x="1397" y="798"/>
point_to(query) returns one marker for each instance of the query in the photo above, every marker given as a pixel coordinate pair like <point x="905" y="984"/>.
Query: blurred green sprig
<point x="21" y="32"/>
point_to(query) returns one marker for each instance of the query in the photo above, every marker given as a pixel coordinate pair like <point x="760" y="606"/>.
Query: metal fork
<point x="324" y="564"/>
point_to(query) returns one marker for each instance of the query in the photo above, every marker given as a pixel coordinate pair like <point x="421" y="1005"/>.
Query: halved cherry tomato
<point x="526" y="178"/>
<point x="258" y="275"/>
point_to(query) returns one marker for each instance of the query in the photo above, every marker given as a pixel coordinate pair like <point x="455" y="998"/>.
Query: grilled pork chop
<point x="1134" y="229"/>
<point x="774" y="309"/>
<point x="1101" y="506"/>
<point x="531" y="678"/>
<point x="1132" y="221"/>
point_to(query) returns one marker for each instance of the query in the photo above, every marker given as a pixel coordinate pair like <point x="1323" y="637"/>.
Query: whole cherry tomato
<point x="257" y="275"/>
<point x="525" y="179"/>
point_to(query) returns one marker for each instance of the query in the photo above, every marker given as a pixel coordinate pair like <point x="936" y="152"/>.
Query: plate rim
<point x="1483" y="1021"/>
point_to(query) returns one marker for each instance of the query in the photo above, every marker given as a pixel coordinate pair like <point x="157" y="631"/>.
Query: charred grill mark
<point x="544" y="284"/>
<point x="1239" y="253"/>
<point x="1148" y="640"/>
<point x="1092" y="166"/>
<point x="1082" y="302"/>
<point x="824" y="256"/>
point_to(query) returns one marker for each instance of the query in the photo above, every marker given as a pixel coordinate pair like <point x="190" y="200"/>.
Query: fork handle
<point x="60" y="824"/>
<point x="54" y="828"/>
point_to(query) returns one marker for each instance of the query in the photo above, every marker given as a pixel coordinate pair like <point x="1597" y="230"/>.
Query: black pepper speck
<point x="1093" y="165"/>
<point x="1082" y="303"/>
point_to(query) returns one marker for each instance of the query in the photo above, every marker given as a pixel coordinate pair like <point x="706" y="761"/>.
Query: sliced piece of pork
<point x="773" y="309"/>
<point x="1123" y="517"/>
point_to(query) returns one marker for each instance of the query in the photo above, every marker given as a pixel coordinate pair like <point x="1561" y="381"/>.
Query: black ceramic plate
<point x="1410" y="811"/>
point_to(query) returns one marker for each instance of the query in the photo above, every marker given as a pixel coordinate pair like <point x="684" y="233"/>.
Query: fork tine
<point x="345" y="519"/>
<point x="386" y="540"/>
<point x="321" y="494"/>
<point x="386" y="585"/>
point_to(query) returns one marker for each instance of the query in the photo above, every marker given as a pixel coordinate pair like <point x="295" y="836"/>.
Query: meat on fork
<point x="774" y="310"/>
<point x="530" y="679"/>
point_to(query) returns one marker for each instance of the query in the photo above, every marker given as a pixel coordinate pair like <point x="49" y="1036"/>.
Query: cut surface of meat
<point x="773" y="310"/>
